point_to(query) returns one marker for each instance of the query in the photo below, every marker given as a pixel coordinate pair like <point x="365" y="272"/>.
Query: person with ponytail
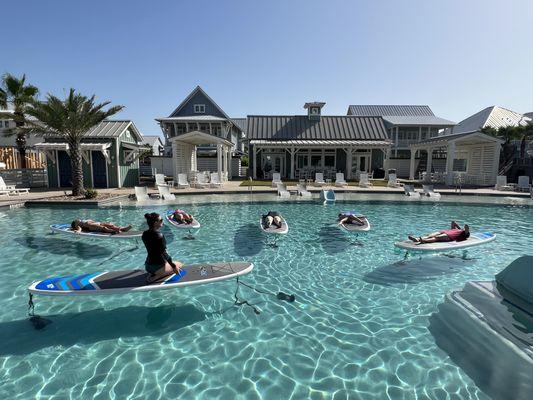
<point x="158" y="262"/>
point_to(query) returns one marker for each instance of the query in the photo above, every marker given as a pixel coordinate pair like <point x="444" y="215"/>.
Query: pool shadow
<point x="19" y="337"/>
<point x="333" y="240"/>
<point x="169" y="234"/>
<point x="416" y="270"/>
<point x="55" y="245"/>
<point x="248" y="240"/>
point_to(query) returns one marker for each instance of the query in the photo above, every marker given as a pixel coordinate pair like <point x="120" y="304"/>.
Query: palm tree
<point x="19" y="95"/>
<point x="71" y="119"/>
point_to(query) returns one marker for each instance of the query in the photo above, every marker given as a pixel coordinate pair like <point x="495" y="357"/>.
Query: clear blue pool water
<point x="359" y="327"/>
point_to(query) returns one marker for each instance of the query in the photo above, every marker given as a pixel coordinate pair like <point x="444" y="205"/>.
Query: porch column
<point x="429" y="160"/>
<point x="348" y="163"/>
<point x="175" y="129"/>
<point x="450" y="155"/>
<point x="420" y="133"/>
<point x="292" y="162"/>
<point x="254" y="162"/>
<point x="386" y="161"/>
<point x="412" y="164"/>
<point x="219" y="161"/>
<point x="396" y="144"/>
<point x="229" y="163"/>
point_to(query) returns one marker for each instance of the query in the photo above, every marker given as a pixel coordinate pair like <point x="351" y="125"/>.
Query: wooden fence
<point x="10" y="156"/>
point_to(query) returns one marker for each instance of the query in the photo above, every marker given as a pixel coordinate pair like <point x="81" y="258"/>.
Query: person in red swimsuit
<point x="455" y="233"/>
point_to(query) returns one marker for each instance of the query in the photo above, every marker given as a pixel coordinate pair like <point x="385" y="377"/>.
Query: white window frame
<point x="199" y="108"/>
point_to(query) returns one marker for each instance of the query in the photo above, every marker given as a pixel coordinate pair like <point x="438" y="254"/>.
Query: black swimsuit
<point x="156" y="247"/>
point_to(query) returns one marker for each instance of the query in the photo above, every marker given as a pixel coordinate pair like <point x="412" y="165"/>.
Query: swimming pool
<point x="358" y="328"/>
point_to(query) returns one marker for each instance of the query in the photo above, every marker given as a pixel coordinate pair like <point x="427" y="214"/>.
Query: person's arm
<point x="342" y="221"/>
<point x="77" y="230"/>
<point x="455" y="225"/>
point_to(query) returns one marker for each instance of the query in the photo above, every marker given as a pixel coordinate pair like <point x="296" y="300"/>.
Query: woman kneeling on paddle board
<point x="158" y="262"/>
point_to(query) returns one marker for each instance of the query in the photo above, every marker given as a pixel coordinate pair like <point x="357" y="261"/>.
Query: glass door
<point x="360" y="163"/>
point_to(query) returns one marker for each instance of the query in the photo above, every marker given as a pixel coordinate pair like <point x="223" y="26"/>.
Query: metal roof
<point x="199" y="118"/>
<point x="300" y="127"/>
<point x="455" y="136"/>
<point x="152" y="139"/>
<point x="109" y="129"/>
<point x="363" y="110"/>
<point x="240" y="123"/>
<point x="321" y="143"/>
<point x="418" y="121"/>
<point x="494" y="117"/>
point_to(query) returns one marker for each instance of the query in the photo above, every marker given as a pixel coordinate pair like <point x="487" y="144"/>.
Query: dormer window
<point x="199" y="108"/>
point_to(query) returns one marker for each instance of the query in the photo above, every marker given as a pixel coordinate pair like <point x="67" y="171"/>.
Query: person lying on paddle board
<point x="181" y="217"/>
<point x="88" y="225"/>
<point x="273" y="217"/>
<point x="350" y="219"/>
<point x="455" y="233"/>
<point x="158" y="262"/>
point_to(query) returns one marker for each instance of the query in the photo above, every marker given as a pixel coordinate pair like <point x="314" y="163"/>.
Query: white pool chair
<point x="410" y="191"/>
<point x="282" y="190"/>
<point x="215" y="182"/>
<point x="393" y="181"/>
<point x="276" y="179"/>
<point x="501" y="183"/>
<point x="301" y="190"/>
<point x="160" y="180"/>
<point x="141" y="193"/>
<point x="429" y="192"/>
<point x="164" y="192"/>
<point x="11" y="189"/>
<point x="319" y="179"/>
<point x="523" y="183"/>
<point x="339" y="179"/>
<point x="201" y="181"/>
<point x="363" y="180"/>
<point x="182" y="181"/>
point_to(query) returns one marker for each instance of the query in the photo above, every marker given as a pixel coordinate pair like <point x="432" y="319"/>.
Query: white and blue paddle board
<point x="475" y="239"/>
<point x="128" y="281"/>
<point x="65" y="228"/>
<point x="273" y="228"/>
<point x="355" y="227"/>
<point x="194" y="225"/>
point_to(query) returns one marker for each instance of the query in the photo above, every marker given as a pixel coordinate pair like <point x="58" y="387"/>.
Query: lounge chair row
<point x="10" y="190"/>
<point x="427" y="190"/>
<point x="201" y="181"/>
<point x="522" y="185"/>
<point x="319" y="180"/>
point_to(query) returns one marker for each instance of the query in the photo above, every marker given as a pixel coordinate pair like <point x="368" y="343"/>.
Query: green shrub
<point x="90" y="193"/>
<point x="244" y="161"/>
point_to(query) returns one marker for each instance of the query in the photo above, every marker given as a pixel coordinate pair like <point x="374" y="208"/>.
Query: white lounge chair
<point x="393" y="181"/>
<point x="319" y="179"/>
<point x="160" y="180"/>
<point x="282" y="190"/>
<point x="501" y="183"/>
<point x="429" y="192"/>
<point x="339" y="179"/>
<point x="201" y="181"/>
<point x="215" y="182"/>
<point x="182" y="181"/>
<point x="302" y="191"/>
<point x="11" y="189"/>
<point x="141" y="193"/>
<point x="410" y="191"/>
<point x="523" y="183"/>
<point x="276" y="179"/>
<point x="164" y="192"/>
<point x="363" y="180"/>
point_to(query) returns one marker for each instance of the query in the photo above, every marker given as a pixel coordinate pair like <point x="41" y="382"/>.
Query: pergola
<point x="478" y="153"/>
<point x="184" y="152"/>
<point x="292" y="147"/>
<point x="48" y="149"/>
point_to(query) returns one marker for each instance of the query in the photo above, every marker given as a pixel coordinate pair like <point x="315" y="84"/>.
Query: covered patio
<point x="472" y="157"/>
<point x="184" y="157"/>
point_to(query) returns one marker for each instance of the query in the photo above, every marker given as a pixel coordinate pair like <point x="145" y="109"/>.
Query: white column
<point x="420" y="133"/>
<point x="254" y="162"/>
<point x="412" y="165"/>
<point x="348" y="163"/>
<point x="293" y="152"/>
<point x="228" y="163"/>
<point x="429" y="160"/>
<point x="175" y="129"/>
<point x="386" y="153"/>
<point x="450" y="155"/>
<point x="219" y="161"/>
<point x="396" y="144"/>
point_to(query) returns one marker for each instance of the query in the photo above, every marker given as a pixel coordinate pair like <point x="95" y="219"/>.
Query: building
<point x="154" y="143"/>
<point x="298" y="146"/>
<point x="405" y="124"/>
<point x="491" y="117"/>
<point x="110" y="153"/>
<point x="9" y="154"/>
<point x="202" y="137"/>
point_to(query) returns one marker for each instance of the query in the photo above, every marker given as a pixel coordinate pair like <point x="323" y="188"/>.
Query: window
<point x="315" y="110"/>
<point x="302" y="160"/>
<point x="316" y="160"/>
<point x="199" y="108"/>
<point x="459" y="165"/>
<point x="329" y="161"/>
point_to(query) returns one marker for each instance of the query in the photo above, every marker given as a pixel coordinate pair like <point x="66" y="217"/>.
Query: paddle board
<point x="355" y="227"/>
<point x="65" y="228"/>
<point x="194" y="225"/>
<point x="127" y="281"/>
<point x="475" y="239"/>
<point x="273" y="228"/>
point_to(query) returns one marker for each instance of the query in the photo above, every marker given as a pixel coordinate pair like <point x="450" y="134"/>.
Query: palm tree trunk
<point x="77" y="168"/>
<point x="21" y="145"/>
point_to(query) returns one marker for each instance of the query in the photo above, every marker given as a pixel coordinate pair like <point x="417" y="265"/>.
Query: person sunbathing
<point x="455" y="233"/>
<point x="88" y="225"/>
<point x="181" y="217"/>
<point x="350" y="219"/>
<point x="273" y="217"/>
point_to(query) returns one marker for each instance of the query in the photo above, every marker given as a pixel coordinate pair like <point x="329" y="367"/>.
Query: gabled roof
<point x="444" y="139"/>
<point x="493" y="117"/>
<point x="152" y="139"/>
<point x="190" y="96"/>
<point x="240" y="123"/>
<point x="300" y="127"/>
<point x="110" y="129"/>
<point x="364" y="110"/>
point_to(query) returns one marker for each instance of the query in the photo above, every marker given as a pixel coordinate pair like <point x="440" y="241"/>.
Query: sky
<point x="270" y="57"/>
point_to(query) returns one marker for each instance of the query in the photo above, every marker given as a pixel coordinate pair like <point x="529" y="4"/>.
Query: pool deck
<point x="233" y="187"/>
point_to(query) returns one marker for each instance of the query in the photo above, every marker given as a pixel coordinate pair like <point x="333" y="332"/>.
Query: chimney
<point x="314" y="109"/>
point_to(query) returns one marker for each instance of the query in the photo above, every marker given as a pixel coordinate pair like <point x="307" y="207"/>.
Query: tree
<point x="508" y="134"/>
<point x="70" y="119"/>
<point x="15" y="92"/>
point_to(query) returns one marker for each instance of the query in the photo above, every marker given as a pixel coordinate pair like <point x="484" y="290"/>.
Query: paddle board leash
<point x="280" y="296"/>
<point x="37" y="321"/>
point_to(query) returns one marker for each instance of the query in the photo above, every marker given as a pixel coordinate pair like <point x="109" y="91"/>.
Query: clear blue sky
<point x="269" y="57"/>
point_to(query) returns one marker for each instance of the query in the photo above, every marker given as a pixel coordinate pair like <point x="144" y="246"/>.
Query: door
<point x="273" y="163"/>
<point x="65" y="169"/>
<point x="360" y="163"/>
<point x="99" y="170"/>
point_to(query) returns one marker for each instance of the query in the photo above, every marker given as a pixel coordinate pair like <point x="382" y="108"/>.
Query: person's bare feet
<point x="127" y="228"/>
<point x="413" y="238"/>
